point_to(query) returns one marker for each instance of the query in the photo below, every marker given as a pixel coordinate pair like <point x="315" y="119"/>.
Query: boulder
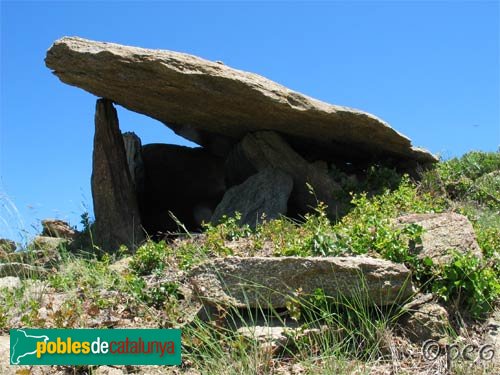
<point x="47" y="244"/>
<point x="21" y="270"/>
<point x="57" y="228"/>
<point x="133" y="151"/>
<point x="189" y="182"/>
<point x="215" y="105"/>
<point x="44" y="258"/>
<point x="10" y="282"/>
<point x="491" y="337"/>
<point x="7" y="246"/>
<point x="108" y="370"/>
<point x="266" y="192"/>
<point x="5" y="367"/>
<point x="269" y="282"/>
<point x="285" y="336"/>
<point x="121" y="266"/>
<point x="117" y="218"/>
<point x="48" y="256"/>
<point x="442" y="233"/>
<point x="265" y="334"/>
<point x="425" y="320"/>
<point x="268" y="149"/>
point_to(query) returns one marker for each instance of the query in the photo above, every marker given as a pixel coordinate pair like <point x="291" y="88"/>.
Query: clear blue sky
<point x="430" y="69"/>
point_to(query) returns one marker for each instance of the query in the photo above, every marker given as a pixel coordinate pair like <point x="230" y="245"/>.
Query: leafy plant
<point x="369" y="227"/>
<point x="373" y="179"/>
<point x="473" y="177"/>
<point x="320" y="240"/>
<point x="489" y="241"/>
<point x="467" y="280"/>
<point x="472" y="165"/>
<point x="228" y="229"/>
<point x="157" y="295"/>
<point x="149" y="257"/>
<point x="30" y="318"/>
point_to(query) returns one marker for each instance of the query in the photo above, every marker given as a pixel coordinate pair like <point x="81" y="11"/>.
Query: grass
<point x="338" y="335"/>
<point x="333" y="331"/>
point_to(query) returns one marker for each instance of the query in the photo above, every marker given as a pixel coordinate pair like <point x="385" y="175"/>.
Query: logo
<point x="95" y="347"/>
<point x="432" y="350"/>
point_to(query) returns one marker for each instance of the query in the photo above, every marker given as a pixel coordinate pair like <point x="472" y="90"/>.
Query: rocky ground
<point x="362" y="295"/>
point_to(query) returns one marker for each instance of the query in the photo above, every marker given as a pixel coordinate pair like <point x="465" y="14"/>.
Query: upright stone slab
<point x="117" y="219"/>
<point x="261" y="150"/>
<point x="133" y="151"/>
<point x="265" y="193"/>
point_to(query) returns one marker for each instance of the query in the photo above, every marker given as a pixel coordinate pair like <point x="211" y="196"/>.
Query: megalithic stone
<point x="215" y="106"/>
<point x="133" y="152"/>
<point x="117" y="218"/>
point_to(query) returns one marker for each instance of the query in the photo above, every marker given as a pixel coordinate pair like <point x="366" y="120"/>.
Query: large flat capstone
<point x="266" y="282"/>
<point x="216" y="106"/>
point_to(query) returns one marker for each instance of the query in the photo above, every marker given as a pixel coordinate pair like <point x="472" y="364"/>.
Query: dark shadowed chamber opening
<point x="178" y="185"/>
<point x="178" y="188"/>
<point x="181" y="181"/>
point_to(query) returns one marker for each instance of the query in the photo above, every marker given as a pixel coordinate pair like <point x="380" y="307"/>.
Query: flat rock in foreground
<point x="215" y="105"/>
<point x="270" y="281"/>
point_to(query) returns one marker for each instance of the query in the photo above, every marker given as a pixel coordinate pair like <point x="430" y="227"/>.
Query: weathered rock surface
<point x="492" y="338"/>
<point x="274" y="337"/>
<point x="48" y="244"/>
<point x="270" y="281"/>
<point x="21" y="270"/>
<point x="117" y="219"/>
<point x="266" y="192"/>
<point x="133" y="151"/>
<point x="46" y="257"/>
<point x="121" y="266"/>
<point x="210" y="103"/>
<point x="10" y="282"/>
<point x="425" y="320"/>
<point x="108" y="370"/>
<point x="7" y="246"/>
<point x="266" y="334"/>
<point x="443" y="232"/>
<point x="5" y="367"/>
<point x="268" y="149"/>
<point x="189" y="182"/>
<point x="57" y="228"/>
